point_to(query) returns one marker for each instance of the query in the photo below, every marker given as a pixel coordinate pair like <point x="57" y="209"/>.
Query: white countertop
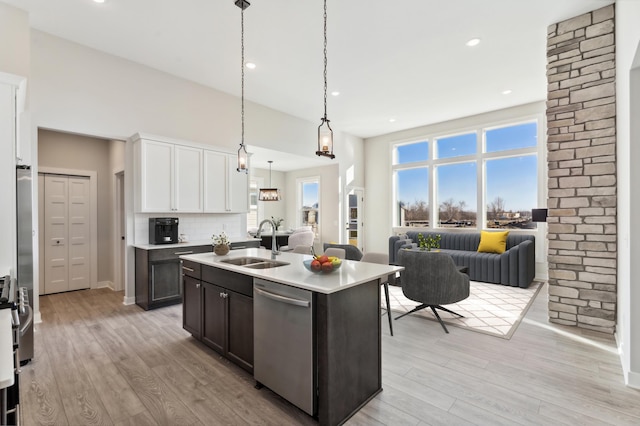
<point x="191" y="243"/>
<point x="350" y="274"/>
<point x="6" y="349"/>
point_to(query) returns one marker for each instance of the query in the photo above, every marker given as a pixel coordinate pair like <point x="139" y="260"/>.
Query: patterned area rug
<point x="490" y="308"/>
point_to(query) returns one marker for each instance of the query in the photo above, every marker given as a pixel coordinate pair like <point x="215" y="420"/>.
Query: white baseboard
<point x="103" y="284"/>
<point x="633" y="380"/>
<point x="131" y="300"/>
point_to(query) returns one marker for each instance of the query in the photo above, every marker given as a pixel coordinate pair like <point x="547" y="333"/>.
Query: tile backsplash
<point x="196" y="226"/>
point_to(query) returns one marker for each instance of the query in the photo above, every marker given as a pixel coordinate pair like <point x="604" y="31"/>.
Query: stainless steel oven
<point x="10" y="393"/>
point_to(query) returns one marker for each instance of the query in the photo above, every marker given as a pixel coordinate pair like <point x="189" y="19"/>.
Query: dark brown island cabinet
<point x="218" y="310"/>
<point x="158" y="272"/>
<point x="158" y="275"/>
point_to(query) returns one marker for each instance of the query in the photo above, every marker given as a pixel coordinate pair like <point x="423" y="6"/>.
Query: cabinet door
<point x="240" y="329"/>
<point x="188" y="179"/>
<point x="215" y="182"/>
<point x="156" y="176"/>
<point x="164" y="281"/>
<point x="191" y="305"/>
<point x="213" y="317"/>
<point x="238" y="200"/>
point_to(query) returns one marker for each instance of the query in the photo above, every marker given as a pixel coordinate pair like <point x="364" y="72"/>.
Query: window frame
<point x="480" y="158"/>
<point x="299" y="202"/>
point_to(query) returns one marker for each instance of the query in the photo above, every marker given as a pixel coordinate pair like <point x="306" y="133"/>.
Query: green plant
<point x="429" y="242"/>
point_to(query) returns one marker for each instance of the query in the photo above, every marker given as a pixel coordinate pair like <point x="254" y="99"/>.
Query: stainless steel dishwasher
<point x="283" y="342"/>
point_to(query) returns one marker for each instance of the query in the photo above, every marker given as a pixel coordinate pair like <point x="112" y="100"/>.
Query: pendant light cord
<point x="325" y="60"/>
<point x="242" y="74"/>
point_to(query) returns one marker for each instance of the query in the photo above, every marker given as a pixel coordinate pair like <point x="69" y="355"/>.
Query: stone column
<point x="581" y="157"/>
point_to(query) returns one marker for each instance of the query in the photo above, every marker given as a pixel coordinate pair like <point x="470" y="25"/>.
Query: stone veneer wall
<point x="581" y="157"/>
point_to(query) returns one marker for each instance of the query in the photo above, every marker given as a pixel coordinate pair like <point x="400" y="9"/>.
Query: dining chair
<point x="337" y="252"/>
<point x="302" y="249"/>
<point x="383" y="259"/>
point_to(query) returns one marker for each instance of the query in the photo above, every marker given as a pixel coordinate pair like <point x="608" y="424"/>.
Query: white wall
<point x="330" y="200"/>
<point x="379" y="191"/>
<point x="80" y="90"/>
<point x="76" y="152"/>
<point x="628" y="155"/>
<point x="274" y="208"/>
<point x="14" y="36"/>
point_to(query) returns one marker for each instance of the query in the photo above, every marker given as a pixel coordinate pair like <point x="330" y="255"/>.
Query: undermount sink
<point x="266" y="264"/>
<point x="243" y="261"/>
<point x="254" y="262"/>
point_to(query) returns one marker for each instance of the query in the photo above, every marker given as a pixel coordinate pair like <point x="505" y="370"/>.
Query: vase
<point x="221" y="249"/>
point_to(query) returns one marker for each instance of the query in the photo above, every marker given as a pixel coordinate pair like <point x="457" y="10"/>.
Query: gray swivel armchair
<point x="432" y="279"/>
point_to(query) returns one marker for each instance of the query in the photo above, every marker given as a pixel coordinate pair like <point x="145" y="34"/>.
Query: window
<point x="253" y="217"/>
<point x="456" y="146"/>
<point x="479" y="178"/>
<point x="309" y="203"/>
<point x="456" y="195"/>
<point x="413" y="196"/>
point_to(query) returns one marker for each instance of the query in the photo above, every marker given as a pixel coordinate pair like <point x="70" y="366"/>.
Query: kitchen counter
<point x="350" y="274"/>
<point x="192" y="243"/>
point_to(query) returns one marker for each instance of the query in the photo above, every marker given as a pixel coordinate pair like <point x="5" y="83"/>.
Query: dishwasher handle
<point x="283" y="299"/>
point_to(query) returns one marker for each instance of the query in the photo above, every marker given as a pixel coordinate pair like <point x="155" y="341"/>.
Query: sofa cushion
<point x="493" y="241"/>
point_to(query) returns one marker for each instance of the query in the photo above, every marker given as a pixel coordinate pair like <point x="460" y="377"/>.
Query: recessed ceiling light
<point x="99" y="1"/>
<point x="506" y="92"/>
<point x="250" y="65"/>
<point x="392" y="120"/>
<point x="473" y="42"/>
<point x="335" y="93"/>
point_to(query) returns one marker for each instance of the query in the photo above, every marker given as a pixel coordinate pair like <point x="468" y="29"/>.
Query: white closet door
<point x="55" y="234"/>
<point x="67" y="233"/>
<point x="79" y="233"/>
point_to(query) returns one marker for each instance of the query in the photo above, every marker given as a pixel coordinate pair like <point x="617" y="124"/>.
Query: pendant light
<point x="243" y="156"/>
<point x="325" y="134"/>
<point x="269" y="194"/>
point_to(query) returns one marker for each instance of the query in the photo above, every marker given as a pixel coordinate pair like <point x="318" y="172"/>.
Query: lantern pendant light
<point x="325" y="134"/>
<point x="269" y="194"/>
<point x="243" y="156"/>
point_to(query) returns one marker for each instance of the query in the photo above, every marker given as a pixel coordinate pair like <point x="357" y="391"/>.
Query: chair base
<point x="433" y="308"/>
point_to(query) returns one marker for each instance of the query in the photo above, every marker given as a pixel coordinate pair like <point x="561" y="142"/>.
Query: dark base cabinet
<point x="218" y="310"/>
<point x="158" y="275"/>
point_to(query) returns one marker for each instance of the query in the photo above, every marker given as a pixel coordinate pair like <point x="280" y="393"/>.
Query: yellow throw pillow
<point x="493" y="241"/>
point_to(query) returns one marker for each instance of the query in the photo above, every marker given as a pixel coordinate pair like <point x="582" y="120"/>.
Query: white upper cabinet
<point x="225" y="189"/>
<point x="182" y="178"/>
<point x="188" y="179"/>
<point x="169" y="177"/>
<point x="155" y="167"/>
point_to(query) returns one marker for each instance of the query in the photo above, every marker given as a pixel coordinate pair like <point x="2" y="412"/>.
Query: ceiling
<point x="405" y="61"/>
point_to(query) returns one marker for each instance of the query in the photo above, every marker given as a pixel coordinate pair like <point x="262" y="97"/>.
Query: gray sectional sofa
<point x="515" y="267"/>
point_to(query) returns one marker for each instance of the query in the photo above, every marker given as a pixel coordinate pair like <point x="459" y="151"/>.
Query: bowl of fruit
<point x="322" y="264"/>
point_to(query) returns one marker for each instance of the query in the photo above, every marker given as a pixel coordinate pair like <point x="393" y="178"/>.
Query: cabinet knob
<point x="198" y="285"/>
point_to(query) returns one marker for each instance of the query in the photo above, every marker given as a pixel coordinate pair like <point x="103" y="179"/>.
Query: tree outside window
<point x="309" y="203"/>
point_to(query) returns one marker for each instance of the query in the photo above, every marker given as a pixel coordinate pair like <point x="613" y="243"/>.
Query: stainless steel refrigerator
<point x="24" y="212"/>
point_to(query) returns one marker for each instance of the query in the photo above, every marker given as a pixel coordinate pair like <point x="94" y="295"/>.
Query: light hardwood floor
<point x="100" y="362"/>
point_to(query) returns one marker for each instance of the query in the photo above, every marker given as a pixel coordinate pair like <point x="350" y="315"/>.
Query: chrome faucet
<point x="274" y="247"/>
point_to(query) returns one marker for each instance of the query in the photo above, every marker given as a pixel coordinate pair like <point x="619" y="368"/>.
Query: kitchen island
<point x="345" y="330"/>
<point x="157" y="269"/>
